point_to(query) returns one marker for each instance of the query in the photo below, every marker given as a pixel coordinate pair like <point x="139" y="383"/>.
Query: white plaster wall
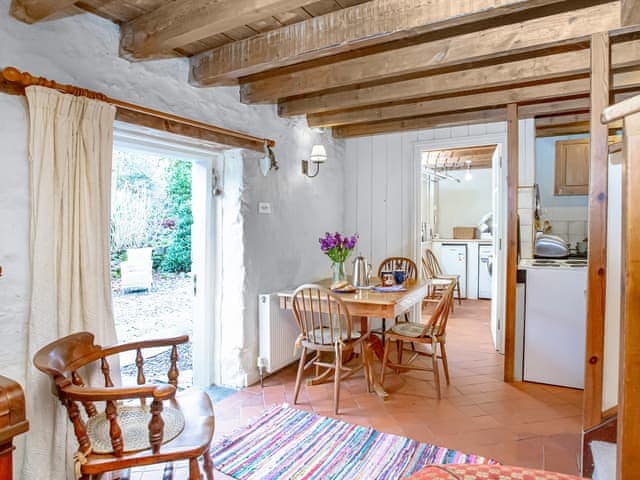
<point x="278" y="250"/>
<point x="464" y="204"/>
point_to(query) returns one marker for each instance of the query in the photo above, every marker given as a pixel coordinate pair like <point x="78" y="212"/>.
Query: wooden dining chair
<point x="410" y="270"/>
<point x="434" y="272"/>
<point x="326" y="329"/>
<point x="432" y="333"/>
<point x="179" y="427"/>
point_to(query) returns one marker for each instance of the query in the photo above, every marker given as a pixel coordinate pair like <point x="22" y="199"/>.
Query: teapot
<point x="361" y="272"/>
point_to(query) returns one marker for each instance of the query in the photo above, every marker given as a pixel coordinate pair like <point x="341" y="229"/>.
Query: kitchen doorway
<point x="462" y="212"/>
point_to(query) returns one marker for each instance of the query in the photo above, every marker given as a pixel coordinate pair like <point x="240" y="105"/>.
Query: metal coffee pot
<point x="361" y="272"/>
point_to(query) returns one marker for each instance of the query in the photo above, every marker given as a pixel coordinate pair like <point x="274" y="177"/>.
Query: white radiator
<point x="278" y="332"/>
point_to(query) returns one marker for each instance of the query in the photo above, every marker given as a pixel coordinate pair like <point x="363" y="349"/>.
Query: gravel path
<point x="164" y="311"/>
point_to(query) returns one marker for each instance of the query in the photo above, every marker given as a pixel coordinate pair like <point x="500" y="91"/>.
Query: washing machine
<point x="485" y="270"/>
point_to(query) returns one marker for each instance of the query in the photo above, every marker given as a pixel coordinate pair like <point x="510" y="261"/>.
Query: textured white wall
<point x="279" y="250"/>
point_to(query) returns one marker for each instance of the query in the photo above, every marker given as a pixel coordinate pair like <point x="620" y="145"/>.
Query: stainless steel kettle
<point x="361" y="272"/>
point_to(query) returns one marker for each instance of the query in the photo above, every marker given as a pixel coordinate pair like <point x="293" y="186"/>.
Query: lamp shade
<point x="318" y="154"/>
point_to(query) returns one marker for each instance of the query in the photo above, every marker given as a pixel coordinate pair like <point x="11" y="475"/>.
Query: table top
<point x="369" y="303"/>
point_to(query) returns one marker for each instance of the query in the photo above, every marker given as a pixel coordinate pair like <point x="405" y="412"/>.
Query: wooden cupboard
<point x="572" y="167"/>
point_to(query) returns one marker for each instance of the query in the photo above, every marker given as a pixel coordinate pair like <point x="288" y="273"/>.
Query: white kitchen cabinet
<point x="469" y="287"/>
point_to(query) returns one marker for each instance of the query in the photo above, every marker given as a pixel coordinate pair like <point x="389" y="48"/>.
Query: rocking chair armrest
<point x="90" y="394"/>
<point x="161" y="342"/>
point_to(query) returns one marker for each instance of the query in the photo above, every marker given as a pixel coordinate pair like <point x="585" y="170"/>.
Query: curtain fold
<point x="70" y="148"/>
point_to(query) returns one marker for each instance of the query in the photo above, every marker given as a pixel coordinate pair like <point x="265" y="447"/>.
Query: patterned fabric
<point x="285" y="443"/>
<point x="486" y="472"/>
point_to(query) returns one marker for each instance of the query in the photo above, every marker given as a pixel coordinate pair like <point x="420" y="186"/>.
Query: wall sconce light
<point x="318" y="156"/>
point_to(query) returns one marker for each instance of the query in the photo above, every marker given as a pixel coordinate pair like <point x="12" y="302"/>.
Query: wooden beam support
<point x="493" y="44"/>
<point x="182" y="22"/>
<point x="563" y="89"/>
<point x="629" y="384"/>
<point x="630" y="13"/>
<point x="596" y="283"/>
<point x="511" y="241"/>
<point x="530" y="70"/>
<point x="31" y="11"/>
<point x="367" y="24"/>
<point x="420" y="123"/>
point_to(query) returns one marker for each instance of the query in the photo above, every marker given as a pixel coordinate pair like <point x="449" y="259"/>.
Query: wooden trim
<point x="512" y="241"/>
<point x="629" y="393"/>
<point x="610" y="412"/>
<point x="630" y="12"/>
<point x="16" y="81"/>
<point x="596" y="283"/>
<point x="31" y="11"/>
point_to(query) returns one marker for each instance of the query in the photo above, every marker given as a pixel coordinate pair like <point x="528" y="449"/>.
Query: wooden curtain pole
<point x="15" y="81"/>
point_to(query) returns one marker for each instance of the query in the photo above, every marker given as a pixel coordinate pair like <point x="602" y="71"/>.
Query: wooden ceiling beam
<point x="420" y="123"/>
<point x="630" y="13"/>
<point x="529" y="70"/>
<point x="494" y="44"/>
<point x="556" y="90"/>
<point x="181" y="22"/>
<point x="32" y="11"/>
<point x="363" y="25"/>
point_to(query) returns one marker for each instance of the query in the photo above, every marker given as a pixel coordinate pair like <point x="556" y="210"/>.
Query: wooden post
<point x="512" y="241"/>
<point x="629" y="383"/>
<point x="630" y="12"/>
<point x="596" y="283"/>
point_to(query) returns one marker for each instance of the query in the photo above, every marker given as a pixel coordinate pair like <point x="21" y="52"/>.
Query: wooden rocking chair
<point x="63" y="359"/>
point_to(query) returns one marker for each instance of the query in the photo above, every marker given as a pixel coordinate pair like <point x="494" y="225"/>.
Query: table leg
<point x="369" y="347"/>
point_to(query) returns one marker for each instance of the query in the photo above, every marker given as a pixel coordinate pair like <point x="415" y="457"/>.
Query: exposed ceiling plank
<point x="555" y="120"/>
<point x="32" y="11"/>
<point x="182" y="22"/>
<point x="569" y="129"/>
<point x="569" y="88"/>
<point x="630" y="12"/>
<point x="366" y="24"/>
<point x="495" y="43"/>
<point x="420" y="123"/>
<point x="521" y="71"/>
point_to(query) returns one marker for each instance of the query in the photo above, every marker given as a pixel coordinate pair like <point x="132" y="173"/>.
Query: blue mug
<point x="399" y="276"/>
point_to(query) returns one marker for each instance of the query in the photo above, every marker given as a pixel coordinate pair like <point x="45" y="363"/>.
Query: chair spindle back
<point x="407" y="265"/>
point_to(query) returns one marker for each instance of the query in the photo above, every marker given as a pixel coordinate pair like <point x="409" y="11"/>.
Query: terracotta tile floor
<point x="522" y="424"/>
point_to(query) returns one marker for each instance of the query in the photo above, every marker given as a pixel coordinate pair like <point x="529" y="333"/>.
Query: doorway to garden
<point x="162" y="244"/>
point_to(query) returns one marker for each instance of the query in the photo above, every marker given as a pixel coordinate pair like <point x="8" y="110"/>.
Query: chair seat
<point x="194" y="439"/>
<point x="325" y="334"/>
<point x="408" y="329"/>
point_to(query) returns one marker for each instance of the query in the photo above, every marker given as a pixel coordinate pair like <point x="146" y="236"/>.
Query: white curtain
<point x="70" y="146"/>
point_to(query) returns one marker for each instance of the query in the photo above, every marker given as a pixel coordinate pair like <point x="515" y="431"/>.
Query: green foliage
<point x="178" y="253"/>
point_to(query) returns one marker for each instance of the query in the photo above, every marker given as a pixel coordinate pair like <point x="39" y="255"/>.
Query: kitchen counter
<point x="552" y="264"/>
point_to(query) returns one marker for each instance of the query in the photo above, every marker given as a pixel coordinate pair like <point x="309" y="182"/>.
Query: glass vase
<point x="338" y="272"/>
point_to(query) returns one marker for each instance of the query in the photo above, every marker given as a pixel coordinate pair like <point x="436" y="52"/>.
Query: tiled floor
<point x="521" y="424"/>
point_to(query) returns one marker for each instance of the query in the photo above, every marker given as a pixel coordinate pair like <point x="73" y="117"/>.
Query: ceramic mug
<point x="399" y="276"/>
<point x="387" y="278"/>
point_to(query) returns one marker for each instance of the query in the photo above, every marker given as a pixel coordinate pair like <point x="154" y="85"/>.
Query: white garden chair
<point x="137" y="270"/>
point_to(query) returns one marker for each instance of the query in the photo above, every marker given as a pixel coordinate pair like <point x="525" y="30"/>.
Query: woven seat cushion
<point x="408" y="329"/>
<point x="134" y="423"/>
<point x="325" y="334"/>
<point x="486" y="472"/>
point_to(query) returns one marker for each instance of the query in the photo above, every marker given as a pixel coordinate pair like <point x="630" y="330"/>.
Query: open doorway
<point x="162" y="241"/>
<point x="462" y="222"/>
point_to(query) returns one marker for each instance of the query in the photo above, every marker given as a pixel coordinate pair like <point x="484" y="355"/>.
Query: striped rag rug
<point x="285" y="443"/>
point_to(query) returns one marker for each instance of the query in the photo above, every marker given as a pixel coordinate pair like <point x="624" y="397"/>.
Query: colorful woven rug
<point x="285" y="443"/>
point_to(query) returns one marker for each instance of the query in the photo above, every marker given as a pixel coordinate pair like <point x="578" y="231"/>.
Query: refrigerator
<point x="453" y="260"/>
